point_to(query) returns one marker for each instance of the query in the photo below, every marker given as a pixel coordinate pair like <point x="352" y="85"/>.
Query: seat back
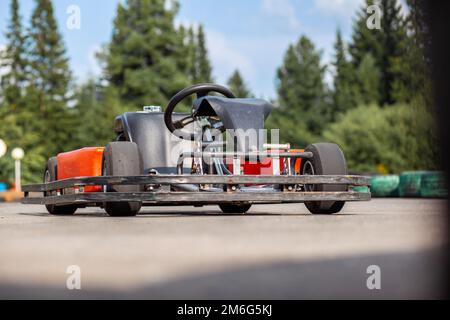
<point x="245" y="116"/>
<point x="158" y="147"/>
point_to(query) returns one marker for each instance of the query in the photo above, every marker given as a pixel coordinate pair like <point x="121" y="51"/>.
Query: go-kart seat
<point x="158" y="147"/>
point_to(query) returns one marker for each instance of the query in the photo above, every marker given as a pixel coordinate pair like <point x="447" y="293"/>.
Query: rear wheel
<point x="50" y="175"/>
<point x="122" y="159"/>
<point x="328" y="159"/>
<point x="235" y="208"/>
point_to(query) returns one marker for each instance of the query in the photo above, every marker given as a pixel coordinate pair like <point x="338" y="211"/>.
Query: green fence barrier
<point x="413" y="184"/>
<point x="361" y="189"/>
<point x="385" y="186"/>
<point x="433" y="185"/>
<point x="410" y="183"/>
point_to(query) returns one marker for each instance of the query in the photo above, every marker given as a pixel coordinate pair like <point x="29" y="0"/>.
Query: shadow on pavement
<point x="168" y="214"/>
<point x="403" y="276"/>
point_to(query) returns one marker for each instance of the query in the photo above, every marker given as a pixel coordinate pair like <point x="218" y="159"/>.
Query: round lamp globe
<point x="17" y="154"/>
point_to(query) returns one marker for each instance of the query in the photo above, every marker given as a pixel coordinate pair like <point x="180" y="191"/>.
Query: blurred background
<point x="69" y="67"/>
<point x="341" y="71"/>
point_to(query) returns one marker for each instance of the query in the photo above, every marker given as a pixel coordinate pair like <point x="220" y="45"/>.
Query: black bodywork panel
<point x="158" y="147"/>
<point x="235" y="114"/>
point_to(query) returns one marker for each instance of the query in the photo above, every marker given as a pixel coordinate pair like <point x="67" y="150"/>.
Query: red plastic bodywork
<point x="261" y="168"/>
<point x="265" y="167"/>
<point x="86" y="162"/>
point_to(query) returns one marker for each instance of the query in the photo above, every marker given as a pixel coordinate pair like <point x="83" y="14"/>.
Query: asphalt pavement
<point x="274" y="252"/>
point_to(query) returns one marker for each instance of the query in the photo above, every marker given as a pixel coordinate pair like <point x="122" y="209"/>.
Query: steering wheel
<point x="201" y="90"/>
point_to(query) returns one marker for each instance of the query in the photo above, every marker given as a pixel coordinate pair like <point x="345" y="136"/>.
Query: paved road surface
<point x="277" y="251"/>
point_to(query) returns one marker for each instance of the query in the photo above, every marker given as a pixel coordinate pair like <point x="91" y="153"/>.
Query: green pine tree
<point x="394" y="26"/>
<point x="200" y="70"/>
<point x="14" y="59"/>
<point x="16" y="134"/>
<point x="18" y="117"/>
<point x="387" y="45"/>
<point x="50" y="81"/>
<point x="96" y="108"/>
<point x="301" y="87"/>
<point x="344" y="94"/>
<point x="365" y="40"/>
<point x="301" y="110"/>
<point x="204" y="66"/>
<point x="183" y="54"/>
<point x="413" y="72"/>
<point x="143" y="61"/>
<point x="237" y="85"/>
<point x="368" y="77"/>
<point x="192" y="55"/>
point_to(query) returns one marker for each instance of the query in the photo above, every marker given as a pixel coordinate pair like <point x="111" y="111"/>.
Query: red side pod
<point x="86" y="162"/>
<point x="260" y="168"/>
<point x="265" y="167"/>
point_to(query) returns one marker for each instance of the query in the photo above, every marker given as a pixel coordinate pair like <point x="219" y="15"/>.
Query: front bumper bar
<point x="70" y="191"/>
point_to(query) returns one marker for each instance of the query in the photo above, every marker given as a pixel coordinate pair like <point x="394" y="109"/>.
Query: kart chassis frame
<point x="216" y="189"/>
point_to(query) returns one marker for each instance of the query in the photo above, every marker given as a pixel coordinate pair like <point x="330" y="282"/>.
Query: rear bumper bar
<point x="165" y="197"/>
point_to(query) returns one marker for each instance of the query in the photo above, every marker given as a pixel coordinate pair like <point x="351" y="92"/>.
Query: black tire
<point x="50" y="174"/>
<point x="328" y="159"/>
<point x="122" y="159"/>
<point x="235" y="208"/>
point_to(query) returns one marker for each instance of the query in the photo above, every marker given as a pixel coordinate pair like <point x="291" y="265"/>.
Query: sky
<point x="249" y="35"/>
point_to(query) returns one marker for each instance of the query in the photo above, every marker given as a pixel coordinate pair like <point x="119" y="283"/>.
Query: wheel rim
<point x="308" y="170"/>
<point x="47" y="179"/>
<point x="47" y="176"/>
<point x="104" y="187"/>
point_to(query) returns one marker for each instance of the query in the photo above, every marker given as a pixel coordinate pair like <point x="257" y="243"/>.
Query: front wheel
<point x="122" y="159"/>
<point x="328" y="159"/>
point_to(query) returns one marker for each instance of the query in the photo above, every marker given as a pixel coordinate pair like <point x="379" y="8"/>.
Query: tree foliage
<point x="413" y="71"/>
<point x="388" y="46"/>
<point x="368" y="79"/>
<point x="14" y="59"/>
<point x="200" y="69"/>
<point x="301" y="93"/>
<point x="33" y="107"/>
<point x="96" y="108"/>
<point x="395" y="139"/>
<point x="345" y="94"/>
<point x="238" y="86"/>
<point x="50" y="78"/>
<point x="203" y="69"/>
<point x="145" y="61"/>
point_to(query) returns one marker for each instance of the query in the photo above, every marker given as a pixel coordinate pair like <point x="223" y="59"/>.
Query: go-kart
<point x="218" y="154"/>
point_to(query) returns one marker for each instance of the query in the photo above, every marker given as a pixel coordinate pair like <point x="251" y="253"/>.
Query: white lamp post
<point x="2" y="148"/>
<point x="17" y="154"/>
